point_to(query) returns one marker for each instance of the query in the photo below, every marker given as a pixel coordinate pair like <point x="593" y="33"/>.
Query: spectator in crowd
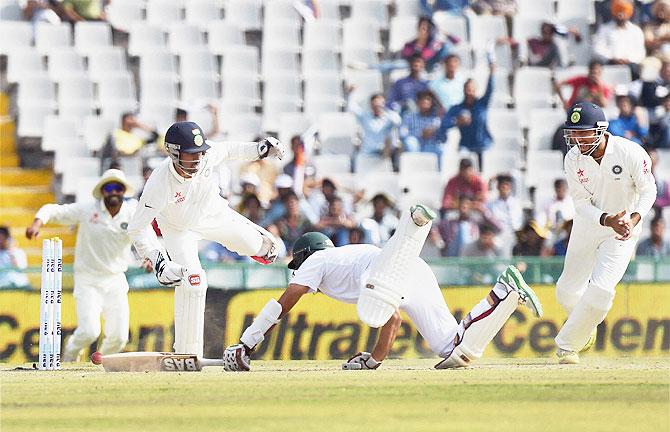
<point x="403" y="92"/>
<point x="277" y="209"/>
<point x="543" y="51"/>
<point x="266" y="171"/>
<point x="418" y="131"/>
<point x="336" y="223"/>
<point x="628" y="124"/>
<point x="181" y="115"/>
<point x="462" y="228"/>
<point x="589" y="88"/>
<point x="657" y="30"/>
<point x="485" y="246"/>
<point x="558" y="209"/>
<point x="356" y="235"/>
<point x="300" y="160"/>
<point x="378" y="125"/>
<point x="454" y="7"/>
<point x="507" y="210"/>
<point x="662" y="182"/>
<point x="428" y="44"/>
<point x="620" y="42"/>
<point x="294" y="223"/>
<point x="449" y="89"/>
<point x="125" y="141"/>
<point x="561" y="245"/>
<point x="382" y="224"/>
<point x="320" y="199"/>
<point x="83" y="10"/>
<point x="470" y="117"/>
<point x="531" y="240"/>
<point x="466" y="183"/>
<point x="146" y="173"/>
<point x="12" y="260"/>
<point x="40" y="11"/>
<point x="652" y="93"/>
<point x="659" y="127"/>
<point x="655" y="245"/>
<point x="251" y="208"/>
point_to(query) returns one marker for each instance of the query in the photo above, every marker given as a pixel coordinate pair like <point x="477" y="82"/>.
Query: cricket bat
<point x="153" y="362"/>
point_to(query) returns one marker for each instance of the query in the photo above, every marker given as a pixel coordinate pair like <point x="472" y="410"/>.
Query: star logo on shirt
<point x="645" y="169"/>
<point x="580" y="173"/>
<point x="178" y="197"/>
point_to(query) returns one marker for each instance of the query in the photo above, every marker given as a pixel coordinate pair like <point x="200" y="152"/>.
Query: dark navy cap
<point x="186" y="137"/>
<point x="585" y="115"/>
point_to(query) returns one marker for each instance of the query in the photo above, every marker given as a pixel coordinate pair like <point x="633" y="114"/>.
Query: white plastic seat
<point x="322" y="33"/>
<point x="336" y="131"/>
<point x="31" y="120"/>
<point x="330" y="10"/>
<point x="66" y="160"/>
<point x="496" y="162"/>
<point x="65" y="63"/>
<point x="237" y="87"/>
<point x="502" y="122"/>
<point x="485" y="30"/>
<point x="324" y="85"/>
<point x="76" y="169"/>
<point x="615" y="75"/>
<point x="420" y="188"/>
<point x="361" y="33"/>
<point x="273" y="108"/>
<point x="36" y="90"/>
<point x="203" y="13"/>
<point x="185" y="37"/>
<point x="366" y="163"/>
<point x="159" y="114"/>
<point x="400" y="29"/>
<point x="366" y="83"/>
<point x="145" y="38"/>
<point x="375" y="10"/>
<point x="283" y="87"/>
<point x="83" y="188"/>
<point x="242" y="127"/>
<point x="543" y="166"/>
<point x="75" y="91"/>
<point x="292" y="124"/>
<point x="197" y="62"/>
<point x="407" y="8"/>
<point x="58" y="131"/>
<point x="535" y="8"/>
<point x="106" y="61"/>
<point x="319" y="60"/>
<point x="575" y="52"/>
<point x="245" y="13"/>
<point x="315" y="106"/>
<point x="23" y="63"/>
<point x="327" y="165"/>
<point x="576" y="9"/>
<point x="280" y="11"/>
<point x="117" y="88"/>
<point x="451" y="24"/>
<point x="279" y="61"/>
<point x="417" y="162"/>
<point x="533" y="83"/>
<point x="222" y="35"/>
<point x="90" y="36"/>
<point x="15" y="35"/>
<point x="240" y="59"/>
<point x="199" y="87"/>
<point x="158" y="63"/>
<point x="49" y="36"/>
<point x="164" y="14"/>
<point x="77" y="110"/>
<point x="281" y="36"/>
<point x="542" y="126"/>
<point x="10" y="10"/>
<point x="380" y="182"/>
<point x="122" y="14"/>
<point x="158" y="89"/>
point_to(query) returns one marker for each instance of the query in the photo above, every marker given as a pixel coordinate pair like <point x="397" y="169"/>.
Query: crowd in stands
<point x="435" y="96"/>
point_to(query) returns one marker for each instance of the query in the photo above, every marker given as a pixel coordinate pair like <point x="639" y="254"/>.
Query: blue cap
<point x="585" y="115"/>
<point x="186" y="137"/>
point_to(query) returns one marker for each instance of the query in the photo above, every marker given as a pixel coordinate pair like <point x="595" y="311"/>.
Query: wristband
<point x="603" y="219"/>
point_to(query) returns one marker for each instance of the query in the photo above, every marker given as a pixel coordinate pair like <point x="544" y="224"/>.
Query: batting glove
<point x="362" y="360"/>
<point x="236" y="358"/>
<point x="168" y="273"/>
<point x="271" y="147"/>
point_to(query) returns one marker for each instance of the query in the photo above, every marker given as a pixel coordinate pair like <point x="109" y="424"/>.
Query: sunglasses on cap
<point x="113" y="187"/>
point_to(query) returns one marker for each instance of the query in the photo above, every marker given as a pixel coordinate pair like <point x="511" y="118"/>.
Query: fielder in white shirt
<point x="182" y="194"/>
<point x="381" y="282"/>
<point x="612" y="187"/>
<point x="101" y="257"/>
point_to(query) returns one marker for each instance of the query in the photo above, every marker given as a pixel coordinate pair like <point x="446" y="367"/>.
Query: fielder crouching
<point x="381" y="282"/>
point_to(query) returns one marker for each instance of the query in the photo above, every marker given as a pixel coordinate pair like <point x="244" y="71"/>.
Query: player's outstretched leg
<point x="382" y="293"/>
<point x="480" y="326"/>
<point x="189" y="314"/>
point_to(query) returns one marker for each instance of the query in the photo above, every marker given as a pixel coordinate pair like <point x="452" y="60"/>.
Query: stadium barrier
<point x="322" y="328"/>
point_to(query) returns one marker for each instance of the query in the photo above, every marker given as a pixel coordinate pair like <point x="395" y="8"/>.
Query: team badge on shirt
<point x="124" y="225"/>
<point x="616" y="169"/>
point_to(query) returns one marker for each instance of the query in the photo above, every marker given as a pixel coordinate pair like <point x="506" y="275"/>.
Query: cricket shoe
<point x="591" y="341"/>
<point x="567" y="357"/>
<point x="421" y="214"/>
<point x="513" y="280"/>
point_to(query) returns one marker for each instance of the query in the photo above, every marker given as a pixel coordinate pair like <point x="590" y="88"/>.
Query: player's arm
<point x="387" y="336"/>
<point x="237" y="357"/>
<point x="65" y="214"/>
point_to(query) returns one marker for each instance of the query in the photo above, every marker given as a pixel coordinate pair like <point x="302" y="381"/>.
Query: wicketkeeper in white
<point x="183" y="195"/>
<point x="101" y="257"/>
<point x="612" y="186"/>
<point x="381" y="282"/>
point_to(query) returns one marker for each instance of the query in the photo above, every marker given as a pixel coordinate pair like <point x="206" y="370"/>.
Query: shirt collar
<point x="176" y="175"/>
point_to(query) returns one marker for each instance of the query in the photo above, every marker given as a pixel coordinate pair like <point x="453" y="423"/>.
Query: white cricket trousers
<point x="594" y="264"/>
<point x="226" y="227"/>
<point x="99" y="296"/>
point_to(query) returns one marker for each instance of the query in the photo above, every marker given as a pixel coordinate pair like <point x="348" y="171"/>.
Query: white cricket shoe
<point x="421" y="214"/>
<point x="567" y="357"/>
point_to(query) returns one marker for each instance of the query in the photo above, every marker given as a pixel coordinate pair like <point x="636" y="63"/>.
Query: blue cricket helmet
<point x="585" y="115"/>
<point x="186" y="137"/>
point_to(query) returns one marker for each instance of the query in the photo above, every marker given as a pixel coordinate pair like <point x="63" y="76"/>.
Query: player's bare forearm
<point x="387" y="336"/>
<point x="290" y="297"/>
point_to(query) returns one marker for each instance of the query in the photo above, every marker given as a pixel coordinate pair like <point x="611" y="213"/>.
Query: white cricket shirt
<point x="180" y="203"/>
<point x="103" y="243"/>
<point x="622" y="181"/>
<point x="337" y="272"/>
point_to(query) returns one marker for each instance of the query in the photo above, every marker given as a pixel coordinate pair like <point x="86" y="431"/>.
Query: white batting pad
<point x="189" y="314"/>
<point x="384" y="289"/>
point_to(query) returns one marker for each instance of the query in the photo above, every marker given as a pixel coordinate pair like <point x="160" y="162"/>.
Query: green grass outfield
<point x="629" y="394"/>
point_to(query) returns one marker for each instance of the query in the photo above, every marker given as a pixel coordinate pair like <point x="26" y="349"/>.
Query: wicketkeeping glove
<point x="271" y="147"/>
<point x="168" y="272"/>
<point x="362" y="360"/>
<point x="236" y="358"/>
